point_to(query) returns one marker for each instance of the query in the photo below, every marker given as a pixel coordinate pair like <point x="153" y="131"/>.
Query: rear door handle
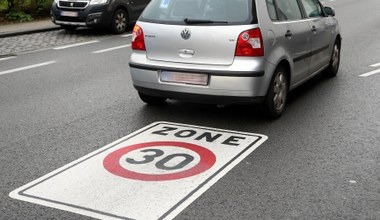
<point x="288" y="34"/>
<point x="313" y="29"/>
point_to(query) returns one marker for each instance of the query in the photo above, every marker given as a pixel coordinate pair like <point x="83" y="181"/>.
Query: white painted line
<point x="153" y="173"/>
<point x="110" y="49"/>
<point x="7" y="58"/>
<point x="370" y="73"/>
<point x="375" y="65"/>
<point x="75" y="45"/>
<point x="126" y="35"/>
<point x="26" y="67"/>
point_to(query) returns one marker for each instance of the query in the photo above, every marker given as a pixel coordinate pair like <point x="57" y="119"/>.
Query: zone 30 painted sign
<point x="162" y="168"/>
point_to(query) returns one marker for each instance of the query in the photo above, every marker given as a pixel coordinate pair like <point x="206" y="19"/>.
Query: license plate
<point x="69" y="13"/>
<point x="184" y="78"/>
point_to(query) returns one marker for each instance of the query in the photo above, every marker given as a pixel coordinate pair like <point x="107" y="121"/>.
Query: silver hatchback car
<point x="232" y="51"/>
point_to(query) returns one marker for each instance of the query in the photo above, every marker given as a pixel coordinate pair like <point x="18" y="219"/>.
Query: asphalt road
<point x="321" y="160"/>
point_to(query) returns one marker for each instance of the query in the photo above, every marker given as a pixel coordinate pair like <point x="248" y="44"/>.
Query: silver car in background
<point x="232" y="51"/>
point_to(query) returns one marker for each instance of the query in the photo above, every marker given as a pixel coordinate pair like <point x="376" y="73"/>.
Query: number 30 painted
<point x="161" y="164"/>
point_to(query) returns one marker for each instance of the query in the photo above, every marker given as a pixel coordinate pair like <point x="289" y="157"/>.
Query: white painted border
<point x="370" y="73"/>
<point x="375" y="65"/>
<point x="27" y="67"/>
<point x="76" y="45"/>
<point x="111" y="49"/>
<point x="168" y="215"/>
<point x="7" y="58"/>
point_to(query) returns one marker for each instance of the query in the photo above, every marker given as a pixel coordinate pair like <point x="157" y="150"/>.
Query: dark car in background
<point x="114" y="14"/>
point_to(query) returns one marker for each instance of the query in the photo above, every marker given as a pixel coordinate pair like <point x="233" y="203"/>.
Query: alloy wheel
<point x="120" y="21"/>
<point x="279" y="91"/>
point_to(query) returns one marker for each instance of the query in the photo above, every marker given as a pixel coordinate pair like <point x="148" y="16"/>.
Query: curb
<point x="31" y="31"/>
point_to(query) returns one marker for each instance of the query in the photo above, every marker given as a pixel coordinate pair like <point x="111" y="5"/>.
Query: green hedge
<point x="23" y="8"/>
<point x="3" y="5"/>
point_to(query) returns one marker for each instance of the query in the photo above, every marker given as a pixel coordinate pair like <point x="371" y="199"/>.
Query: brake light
<point x="138" y="42"/>
<point x="250" y="44"/>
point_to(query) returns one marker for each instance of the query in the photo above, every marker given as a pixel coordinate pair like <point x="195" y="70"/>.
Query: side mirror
<point x="330" y="11"/>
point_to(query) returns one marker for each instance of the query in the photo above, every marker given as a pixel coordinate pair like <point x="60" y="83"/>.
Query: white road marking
<point x="126" y="35"/>
<point x="75" y="45"/>
<point x="110" y="49"/>
<point x="27" y="67"/>
<point x="153" y="173"/>
<point x="370" y="73"/>
<point x="7" y="58"/>
<point x="375" y="65"/>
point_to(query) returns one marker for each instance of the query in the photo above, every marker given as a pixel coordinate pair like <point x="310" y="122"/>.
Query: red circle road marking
<point x="112" y="164"/>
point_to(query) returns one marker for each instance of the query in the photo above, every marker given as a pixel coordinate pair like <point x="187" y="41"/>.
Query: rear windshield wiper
<point x="198" y="21"/>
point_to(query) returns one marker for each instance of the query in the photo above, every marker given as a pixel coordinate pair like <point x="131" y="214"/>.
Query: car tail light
<point x="250" y="44"/>
<point x="138" y="42"/>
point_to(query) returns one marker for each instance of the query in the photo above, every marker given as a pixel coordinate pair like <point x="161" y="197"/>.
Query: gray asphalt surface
<point x="321" y="160"/>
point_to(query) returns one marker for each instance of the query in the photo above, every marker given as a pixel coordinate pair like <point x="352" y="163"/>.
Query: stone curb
<point x="30" y="31"/>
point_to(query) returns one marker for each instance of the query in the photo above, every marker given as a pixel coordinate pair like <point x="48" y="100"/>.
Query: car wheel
<point x="152" y="100"/>
<point x="275" y="101"/>
<point x="333" y="67"/>
<point x="69" y="27"/>
<point x="119" y="21"/>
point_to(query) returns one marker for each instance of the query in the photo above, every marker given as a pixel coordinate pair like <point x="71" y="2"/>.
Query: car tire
<point x="275" y="100"/>
<point x="119" y="21"/>
<point x="333" y="67"/>
<point x="152" y="100"/>
<point x="69" y="27"/>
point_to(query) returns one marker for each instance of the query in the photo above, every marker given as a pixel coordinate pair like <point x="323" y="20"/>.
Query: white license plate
<point x="69" y="13"/>
<point x="184" y="78"/>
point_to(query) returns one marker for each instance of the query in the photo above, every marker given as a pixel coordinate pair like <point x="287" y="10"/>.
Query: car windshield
<point x="198" y="12"/>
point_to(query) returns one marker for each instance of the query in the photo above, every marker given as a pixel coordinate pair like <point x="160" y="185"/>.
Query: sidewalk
<point x="15" y="29"/>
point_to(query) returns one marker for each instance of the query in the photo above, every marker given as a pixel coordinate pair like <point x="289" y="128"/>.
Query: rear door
<point x="296" y="35"/>
<point x="321" y="35"/>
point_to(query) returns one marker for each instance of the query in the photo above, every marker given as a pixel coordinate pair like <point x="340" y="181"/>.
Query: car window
<point x="271" y="10"/>
<point x="175" y="11"/>
<point x="288" y="10"/>
<point x="312" y="8"/>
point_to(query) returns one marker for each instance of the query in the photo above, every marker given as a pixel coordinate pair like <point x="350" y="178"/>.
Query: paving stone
<point x="37" y="41"/>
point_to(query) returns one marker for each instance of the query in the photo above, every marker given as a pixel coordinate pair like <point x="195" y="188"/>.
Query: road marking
<point x="27" y="67"/>
<point x="110" y="49"/>
<point x="153" y="173"/>
<point x="75" y="45"/>
<point x="126" y="35"/>
<point x="7" y="58"/>
<point x="375" y="65"/>
<point x="370" y="73"/>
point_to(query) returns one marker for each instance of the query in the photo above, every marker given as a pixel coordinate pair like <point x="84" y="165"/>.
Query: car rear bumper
<point x="223" y="87"/>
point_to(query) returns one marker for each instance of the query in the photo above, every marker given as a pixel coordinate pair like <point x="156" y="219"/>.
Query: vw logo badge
<point x="72" y="4"/>
<point x="186" y="34"/>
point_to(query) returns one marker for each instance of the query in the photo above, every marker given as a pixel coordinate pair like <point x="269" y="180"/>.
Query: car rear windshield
<point x="200" y="12"/>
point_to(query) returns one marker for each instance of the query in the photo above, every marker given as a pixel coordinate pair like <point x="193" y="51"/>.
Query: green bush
<point x="24" y="10"/>
<point x="3" y="6"/>
<point x="19" y="16"/>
